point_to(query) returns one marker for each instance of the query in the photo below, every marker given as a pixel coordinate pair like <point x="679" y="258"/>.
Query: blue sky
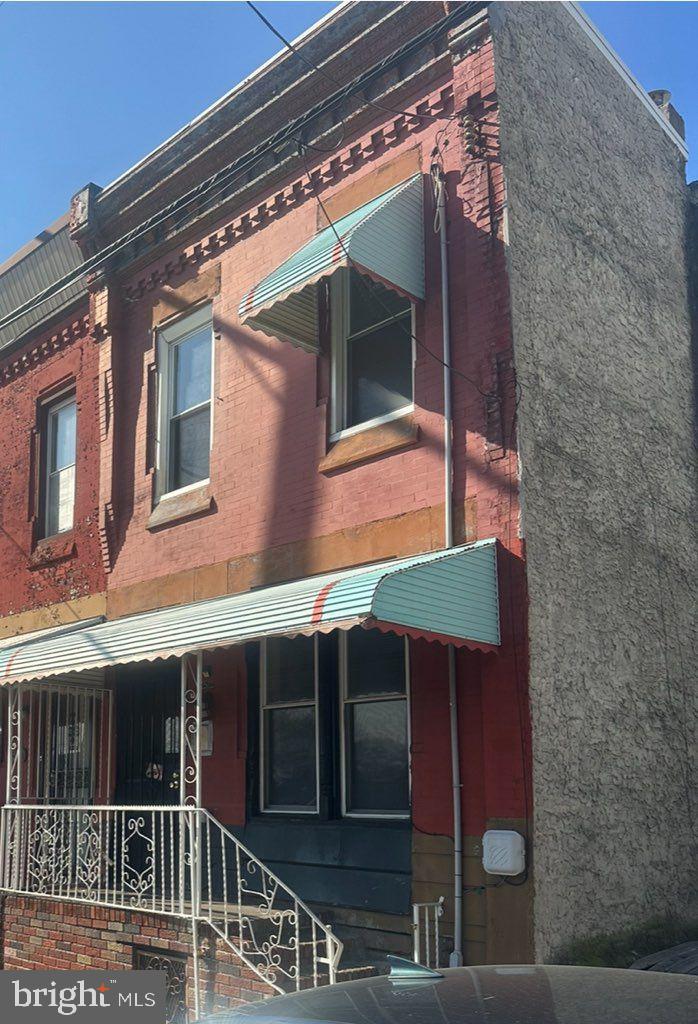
<point x="89" y="88"/>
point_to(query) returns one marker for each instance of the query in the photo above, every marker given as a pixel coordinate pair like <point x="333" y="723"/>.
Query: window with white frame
<point x="375" y="724"/>
<point x="336" y="723"/>
<point x="59" y="466"/>
<point x="288" y="725"/>
<point x="372" y="352"/>
<point x="185" y="359"/>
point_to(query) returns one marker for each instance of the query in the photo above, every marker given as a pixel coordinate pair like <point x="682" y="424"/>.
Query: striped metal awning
<point x="384" y="238"/>
<point x="448" y="595"/>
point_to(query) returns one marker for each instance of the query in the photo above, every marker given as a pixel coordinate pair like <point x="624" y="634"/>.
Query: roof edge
<point x="35" y="243"/>
<point x="587" y="26"/>
<point x="259" y="72"/>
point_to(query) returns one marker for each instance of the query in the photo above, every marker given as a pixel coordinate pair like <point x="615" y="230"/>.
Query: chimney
<point x="662" y="97"/>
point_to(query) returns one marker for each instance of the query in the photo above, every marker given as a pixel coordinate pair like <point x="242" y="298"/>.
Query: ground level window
<point x="374" y="711"/>
<point x="288" y="726"/>
<point x="175" y="969"/>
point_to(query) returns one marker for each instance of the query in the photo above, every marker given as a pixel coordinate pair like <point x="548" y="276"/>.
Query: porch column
<point x="190" y="731"/>
<point x="13" y="778"/>
<point x="190" y="790"/>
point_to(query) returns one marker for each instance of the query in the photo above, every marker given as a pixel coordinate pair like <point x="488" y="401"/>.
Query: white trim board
<point x="602" y="44"/>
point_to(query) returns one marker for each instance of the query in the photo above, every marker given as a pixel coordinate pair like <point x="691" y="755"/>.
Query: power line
<point x="219" y="182"/>
<point x="302" y="145"/>
<point x="376" y="297"/>
<point x="334" y="81"/>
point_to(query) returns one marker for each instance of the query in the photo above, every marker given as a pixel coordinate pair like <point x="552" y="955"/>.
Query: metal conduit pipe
<point x="456" y="957"/>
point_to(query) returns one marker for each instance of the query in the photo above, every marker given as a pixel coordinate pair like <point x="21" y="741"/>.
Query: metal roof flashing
<point x="34" y="268"/>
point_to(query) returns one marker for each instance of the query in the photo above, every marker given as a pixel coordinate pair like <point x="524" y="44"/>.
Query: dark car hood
<point x="489" y="995"/>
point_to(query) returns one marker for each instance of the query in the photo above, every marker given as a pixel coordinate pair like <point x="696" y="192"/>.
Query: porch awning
<point x="448" y="595"/>
<point x="384" y="238"/>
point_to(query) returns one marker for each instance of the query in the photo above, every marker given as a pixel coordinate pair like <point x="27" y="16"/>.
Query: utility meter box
<point x="503" y="852"/>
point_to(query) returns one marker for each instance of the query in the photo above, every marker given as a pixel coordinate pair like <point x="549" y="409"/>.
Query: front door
<point x="147" y="735"/>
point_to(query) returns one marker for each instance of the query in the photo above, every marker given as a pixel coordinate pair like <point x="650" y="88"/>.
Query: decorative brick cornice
<point x="38" y="351"/>
<point x="296" y="192"/>
<point x="469" y="37"/>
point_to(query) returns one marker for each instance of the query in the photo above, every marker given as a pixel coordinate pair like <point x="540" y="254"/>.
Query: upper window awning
<point x="446" y="595"/>
<point x="384" y="238"/>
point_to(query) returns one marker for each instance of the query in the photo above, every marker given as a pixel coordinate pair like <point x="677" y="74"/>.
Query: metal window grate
<point x="60" y="742"/>
<point x="175" y="968"/>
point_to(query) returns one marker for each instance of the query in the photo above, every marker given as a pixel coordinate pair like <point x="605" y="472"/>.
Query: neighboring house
<point x="228" y="445"/>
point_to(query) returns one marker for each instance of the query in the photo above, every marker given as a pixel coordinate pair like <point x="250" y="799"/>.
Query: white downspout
<point x="456" y="957"/>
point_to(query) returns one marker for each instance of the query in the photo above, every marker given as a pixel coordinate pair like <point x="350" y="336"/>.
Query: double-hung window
<point x="343" y="729"/>
<point x="372" y="353"/>
<point x="185" y="356"/>
<point x="373" y="682"/>
<point x="59" y="465"/>
<point x="289" y="739"/>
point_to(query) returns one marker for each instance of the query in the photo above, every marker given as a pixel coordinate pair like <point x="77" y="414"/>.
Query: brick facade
<point x="52" y="579"/>
<point x="47" y="935"/>
<point x="270" y="404"/>
<point x="281" y="510"/>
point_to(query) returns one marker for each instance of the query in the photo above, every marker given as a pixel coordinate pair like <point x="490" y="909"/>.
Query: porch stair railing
<point x="176" y="861"/>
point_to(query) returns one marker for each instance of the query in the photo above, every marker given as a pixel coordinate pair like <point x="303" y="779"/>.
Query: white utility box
<point x="503" y="853"/>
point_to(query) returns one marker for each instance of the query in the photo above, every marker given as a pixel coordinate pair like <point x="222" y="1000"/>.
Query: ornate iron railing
<point x="178" y="861"/>
<point x="252" y="909"/>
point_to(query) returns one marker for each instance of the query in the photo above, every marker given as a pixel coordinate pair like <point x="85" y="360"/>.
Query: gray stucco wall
<point x="602" y="344"/>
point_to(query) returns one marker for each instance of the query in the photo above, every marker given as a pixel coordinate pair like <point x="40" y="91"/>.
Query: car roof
<point x="488" y="995"/>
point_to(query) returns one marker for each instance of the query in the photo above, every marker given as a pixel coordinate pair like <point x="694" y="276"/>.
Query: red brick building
<point x="261" y="470"/>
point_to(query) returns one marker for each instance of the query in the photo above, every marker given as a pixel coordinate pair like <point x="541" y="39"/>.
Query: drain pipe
<point x="439" y="186"/>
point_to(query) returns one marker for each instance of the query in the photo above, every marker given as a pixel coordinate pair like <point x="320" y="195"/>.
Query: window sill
<point x="177" y="507"/>
<point x="270" y="820"/>
<point x="53" y="549"/>
<point x="370" y="443"/>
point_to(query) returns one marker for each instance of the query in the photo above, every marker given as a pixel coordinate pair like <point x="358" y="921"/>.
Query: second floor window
<point x="372" y="353"/>
<point x="59" y="459"/>
<point x="185" y="351"/>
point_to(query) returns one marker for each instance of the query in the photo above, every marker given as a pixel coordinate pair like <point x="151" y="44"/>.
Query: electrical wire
<point x="218" y="183"/>
<point x="334" y="81"/>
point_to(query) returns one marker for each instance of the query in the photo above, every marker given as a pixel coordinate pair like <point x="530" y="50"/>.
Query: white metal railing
<point x="252" y="909"/>
<point x="178" y="861"/>
<point x="425" y="927"/>
<point x="59" y="740"/>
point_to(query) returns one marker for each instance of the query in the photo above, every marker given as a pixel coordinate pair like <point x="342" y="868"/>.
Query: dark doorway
<point x="147" y="735"/>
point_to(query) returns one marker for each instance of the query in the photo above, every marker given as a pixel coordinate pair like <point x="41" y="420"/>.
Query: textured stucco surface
<point x="602" y="344"/>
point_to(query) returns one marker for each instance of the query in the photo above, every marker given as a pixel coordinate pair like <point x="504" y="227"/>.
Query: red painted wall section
<point x="223" y="773"/>
<point x="431" y="765"/>
<point x="64" y="356"/>
<point x="493" y="751"/>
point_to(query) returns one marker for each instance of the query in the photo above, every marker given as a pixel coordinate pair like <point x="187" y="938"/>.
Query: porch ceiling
<point x="448" y="595"/>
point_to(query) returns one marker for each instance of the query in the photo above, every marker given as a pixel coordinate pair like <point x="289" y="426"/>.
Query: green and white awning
<point x="448" y="595"/>
<point x="384" y="238"/>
